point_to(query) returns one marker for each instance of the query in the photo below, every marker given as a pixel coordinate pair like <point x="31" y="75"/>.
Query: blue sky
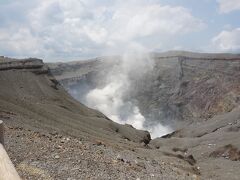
<point x="78" y="29"/>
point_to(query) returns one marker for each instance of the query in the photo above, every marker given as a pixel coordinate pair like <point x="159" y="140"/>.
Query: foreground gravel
<point x="46" y="156"/>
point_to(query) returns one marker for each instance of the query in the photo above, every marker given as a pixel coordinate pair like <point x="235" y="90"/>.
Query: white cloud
<point x="80" y="28"/>
<point x="227" y="40"/>
<point x="226" y="6"/>
<point x="152" y="19"/>
<point x="19" y="42"/>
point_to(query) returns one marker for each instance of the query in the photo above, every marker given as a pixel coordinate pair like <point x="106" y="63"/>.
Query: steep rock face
<point x="31" y="96"/>
<point x="181" y="88"/>
<point x="185" y="88"/>
<point x="209" y="87"/>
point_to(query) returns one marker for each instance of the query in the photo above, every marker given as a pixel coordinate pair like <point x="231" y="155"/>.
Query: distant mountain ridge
<point x="190" y="54"/>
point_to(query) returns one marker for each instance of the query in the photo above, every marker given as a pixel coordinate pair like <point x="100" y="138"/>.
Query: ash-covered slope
<point x="31" y="97"/>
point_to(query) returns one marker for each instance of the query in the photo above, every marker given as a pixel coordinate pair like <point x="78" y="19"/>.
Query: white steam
<point x="110" y="99"/>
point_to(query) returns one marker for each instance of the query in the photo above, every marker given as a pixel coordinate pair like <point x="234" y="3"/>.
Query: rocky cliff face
<point x="186" y="88"/>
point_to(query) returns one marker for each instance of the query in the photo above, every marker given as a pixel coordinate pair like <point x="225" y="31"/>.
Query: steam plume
<point x="111" y="99"/>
